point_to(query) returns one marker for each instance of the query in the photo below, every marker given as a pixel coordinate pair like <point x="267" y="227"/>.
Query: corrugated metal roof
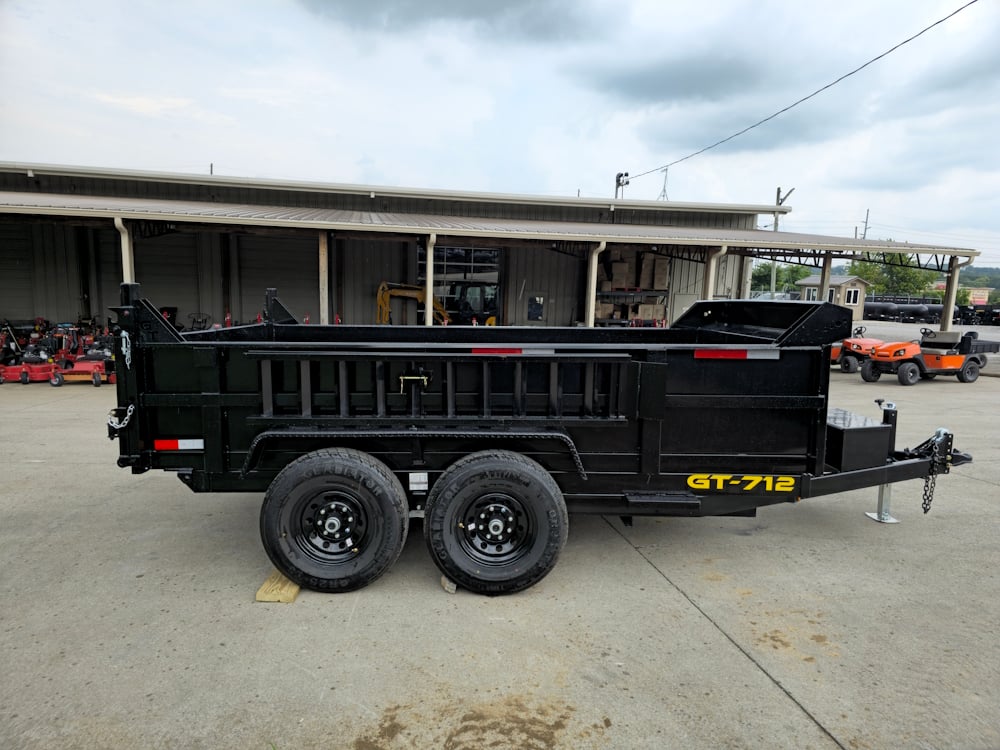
<point x="834" y="280"/>
<point x="373" y="191"/>
<point x="87" y="206"/>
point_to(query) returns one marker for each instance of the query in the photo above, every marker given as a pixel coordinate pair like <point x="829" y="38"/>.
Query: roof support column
<point x="429" y="281"/>
<point x="128" y="259"/>
<point x="951" y="291"/>
<point x="824" y="277"/>
<point x="591" y="301"/>
<point x="711" y="265"/>
<point x="324" y="278"/>
<point x="746" y="276"/>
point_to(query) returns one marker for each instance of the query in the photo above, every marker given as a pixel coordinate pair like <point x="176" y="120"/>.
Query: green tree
<point x="870" y="272"/>
<point x="893" y="279"/>
<point x="786" y="274"/>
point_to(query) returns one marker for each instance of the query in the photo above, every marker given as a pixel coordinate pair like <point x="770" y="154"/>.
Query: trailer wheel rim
<point x="333" y="527"/>
<point x="496" y="529"/>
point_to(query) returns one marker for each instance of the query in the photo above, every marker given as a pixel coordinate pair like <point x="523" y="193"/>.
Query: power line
<point x="810" y="96"/>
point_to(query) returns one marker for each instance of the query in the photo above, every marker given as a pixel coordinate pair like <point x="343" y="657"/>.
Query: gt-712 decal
<point x="742" y="482"/>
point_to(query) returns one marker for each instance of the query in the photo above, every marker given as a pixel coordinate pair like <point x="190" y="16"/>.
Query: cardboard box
<point x="652" y="312"/>
<point x="622" y="274"/>
<point x="646" y="271"/>
<point x="604" y="310"/>
<point x="605" y="286"/>
<point x="661" y="273"/>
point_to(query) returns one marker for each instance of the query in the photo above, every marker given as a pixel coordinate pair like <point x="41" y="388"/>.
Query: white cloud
<point x="147" y="106"/>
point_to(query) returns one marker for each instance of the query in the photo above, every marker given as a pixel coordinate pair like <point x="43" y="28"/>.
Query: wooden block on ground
<point x="277" y="588"/>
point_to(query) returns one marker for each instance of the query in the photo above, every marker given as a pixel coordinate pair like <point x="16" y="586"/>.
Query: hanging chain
<point x="113" y="422"/>
<point x="931" y="479"/>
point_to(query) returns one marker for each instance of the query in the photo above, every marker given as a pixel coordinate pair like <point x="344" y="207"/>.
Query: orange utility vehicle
<point x="935" y="353"/>
<point x="850" y="353"/>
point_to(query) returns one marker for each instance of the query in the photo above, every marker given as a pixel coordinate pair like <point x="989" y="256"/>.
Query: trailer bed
<point x="722" y="413"/>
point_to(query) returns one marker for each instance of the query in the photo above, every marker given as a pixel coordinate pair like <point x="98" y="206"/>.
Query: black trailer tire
<point x="870" y="373"/>
<point x="969" y="372"/>
<point x="334" y="520"/>
<point x="23" y="377"/>
<point x="908" y="373"/>
<point x="56" y="380"/>
<point x="495" y="522"/>
<point x="96" y="379"/>
<point x="849" y="364"/>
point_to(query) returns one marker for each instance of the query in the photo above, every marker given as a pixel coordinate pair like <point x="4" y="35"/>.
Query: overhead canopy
<point x="767" y="243"/>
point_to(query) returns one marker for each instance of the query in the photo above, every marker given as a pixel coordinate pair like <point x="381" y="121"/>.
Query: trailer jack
<point x="942" y="457"/>
<point x="882" y="514"/>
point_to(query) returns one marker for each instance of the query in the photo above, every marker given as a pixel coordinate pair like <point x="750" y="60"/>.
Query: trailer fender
<point x="270" y="438"/>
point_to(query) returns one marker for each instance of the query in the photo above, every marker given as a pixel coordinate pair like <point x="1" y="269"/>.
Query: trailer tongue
<point x="492" y="435"/>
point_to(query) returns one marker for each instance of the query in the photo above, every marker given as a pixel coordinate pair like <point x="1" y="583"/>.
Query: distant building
<point x="847" y="291"/>
<point x="977" y="296"/>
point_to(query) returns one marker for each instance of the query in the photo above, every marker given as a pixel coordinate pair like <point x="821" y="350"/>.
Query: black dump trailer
<point x="492" y="435"/>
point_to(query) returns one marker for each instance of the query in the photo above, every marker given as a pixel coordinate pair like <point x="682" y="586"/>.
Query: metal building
<point x="205" y="247"/>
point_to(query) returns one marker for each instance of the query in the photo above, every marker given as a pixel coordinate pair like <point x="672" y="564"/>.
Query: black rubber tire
<point x="869" y="373"/>
<point x="23" y="377"/>
<point x="96" y="379"/>
<point x="969" y="372"/>
<point x="56" y="380"/>
<point x="908" y="373"/>
<point x="334" y="520"/>
<point x="849" y="364"/>
<point x="514" y="494"/>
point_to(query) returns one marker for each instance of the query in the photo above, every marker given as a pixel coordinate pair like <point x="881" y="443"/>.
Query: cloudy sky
<point x="549" y="97"/>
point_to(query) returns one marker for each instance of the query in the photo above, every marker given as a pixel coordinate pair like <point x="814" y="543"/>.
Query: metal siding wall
<point x="209" y="255"/>
<point x="167" y="269"/>
<point x="366" y="264"/>
<point x="17" y="300"/>
<point x="289" y="264"/>
<point x="685" y="284"/>
<point x="728" y="277"/>
<point x="109" y="273"/>
<point x="56" y="289"/>
<point x="554" y="276"/>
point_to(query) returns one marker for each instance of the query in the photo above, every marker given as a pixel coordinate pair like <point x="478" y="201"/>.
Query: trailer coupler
<point x="939" y="449"/>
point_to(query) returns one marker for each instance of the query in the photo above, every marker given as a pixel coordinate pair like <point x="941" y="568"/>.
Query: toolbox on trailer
<point x="493" y="434"/>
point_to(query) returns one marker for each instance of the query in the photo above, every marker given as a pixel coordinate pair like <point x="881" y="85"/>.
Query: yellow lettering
<point x="742" y="482"/>
<point x="699" y="481"/>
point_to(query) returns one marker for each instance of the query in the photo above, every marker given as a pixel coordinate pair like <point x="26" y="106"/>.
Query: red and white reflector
<point x="193" y="444"/>
<point x="737" y="354"/>
<point x="495" y="350"/>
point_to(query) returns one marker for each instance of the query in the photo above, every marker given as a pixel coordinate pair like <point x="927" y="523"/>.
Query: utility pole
<point x="621" y="180"/>
<point x="663" y="193"/>
<point x="778" y="200"/>
<point x="864" y="234"/>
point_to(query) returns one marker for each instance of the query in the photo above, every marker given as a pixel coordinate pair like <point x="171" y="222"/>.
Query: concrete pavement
<point x="129" y="617"/>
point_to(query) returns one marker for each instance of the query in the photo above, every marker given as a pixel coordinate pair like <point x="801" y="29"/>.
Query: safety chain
<point x="127" y="349"/>
<point x="931" y="479"/>
<point x="114" y="423"/>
